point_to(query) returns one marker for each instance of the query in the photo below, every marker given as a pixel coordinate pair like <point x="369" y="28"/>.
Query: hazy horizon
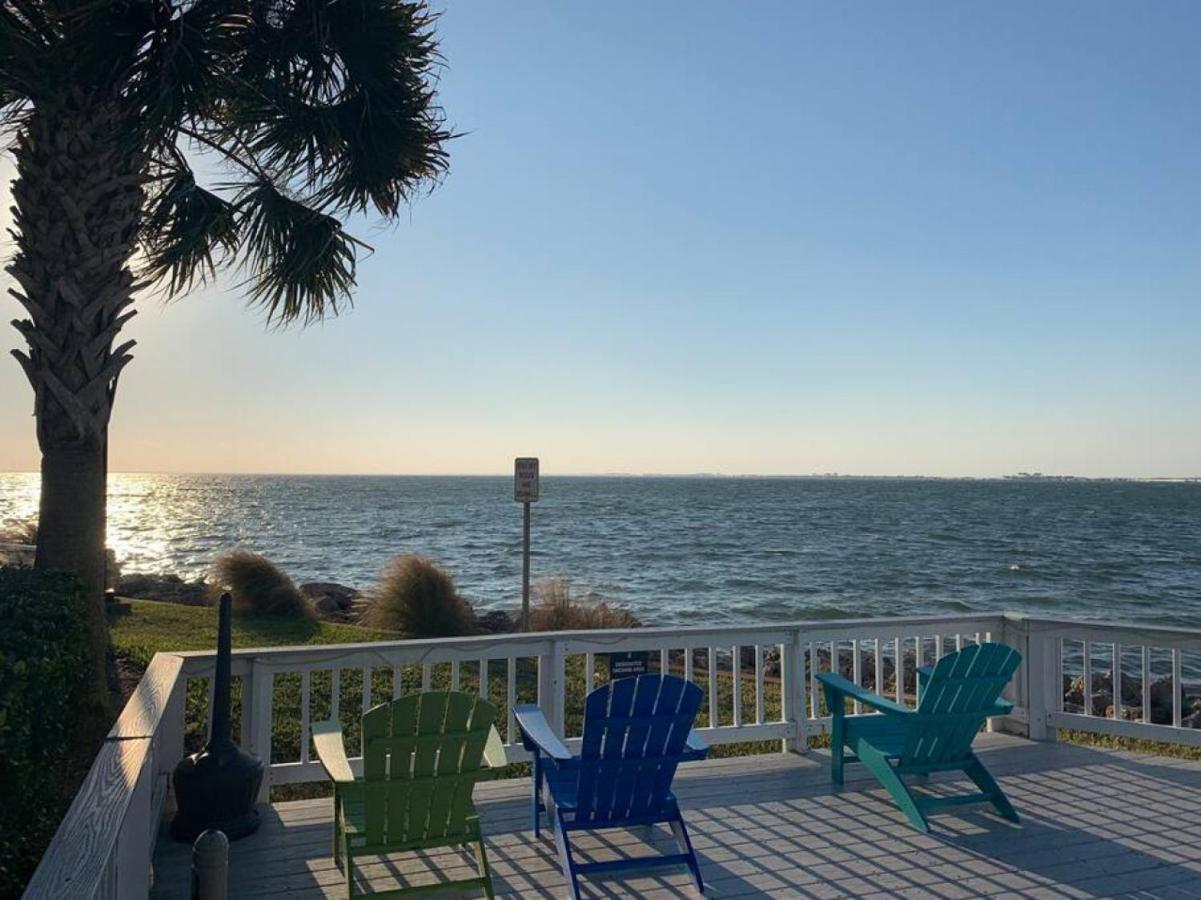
<point x="1047" y="476"/>
<point x="896" y="240"/>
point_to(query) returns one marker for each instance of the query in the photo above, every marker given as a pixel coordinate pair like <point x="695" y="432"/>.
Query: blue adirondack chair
<point x="954" y="699"/>
<point x="636" y="732"/>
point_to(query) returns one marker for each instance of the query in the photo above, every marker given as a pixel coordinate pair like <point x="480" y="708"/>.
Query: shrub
<point x="417" y="597"/>
<point x="559" y="608"/>
<point x="43" y="654"/>
<point x="258" y="585"/>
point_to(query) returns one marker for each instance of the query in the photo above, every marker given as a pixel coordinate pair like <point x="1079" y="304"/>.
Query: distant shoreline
<point x="695" y="476"/>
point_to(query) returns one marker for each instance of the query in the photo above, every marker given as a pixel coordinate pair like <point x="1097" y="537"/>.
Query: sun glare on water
<point x="18" y="495"/>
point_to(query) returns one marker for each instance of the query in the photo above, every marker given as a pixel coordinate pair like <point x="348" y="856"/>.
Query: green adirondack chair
<point x="422" y="755"/>
<point x="955" y="697"/>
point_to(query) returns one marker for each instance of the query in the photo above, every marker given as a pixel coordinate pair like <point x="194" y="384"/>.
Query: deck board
<point x="1096" y="823"/>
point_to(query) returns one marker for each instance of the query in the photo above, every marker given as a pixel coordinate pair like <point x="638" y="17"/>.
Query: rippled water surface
<point x="698" y="549"/>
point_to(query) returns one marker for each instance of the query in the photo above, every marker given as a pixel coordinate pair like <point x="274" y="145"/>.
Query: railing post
<point x="1013" y="633"/>
<point x="550" y="684"/>
<point x="559" y="688"/>
<point x="792" y="681"/>
<point x="134" y="839"/>
<point x="246" y="728"/>
<point x="1044" y="689"/>
<point x="171" y="739"/>
<point x="259" y="686"/>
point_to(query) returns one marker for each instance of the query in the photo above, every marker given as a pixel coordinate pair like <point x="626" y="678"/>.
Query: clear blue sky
<point x="946" y="238"/>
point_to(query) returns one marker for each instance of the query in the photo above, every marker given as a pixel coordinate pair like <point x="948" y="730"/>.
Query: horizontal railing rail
<point x="760" y="684"/>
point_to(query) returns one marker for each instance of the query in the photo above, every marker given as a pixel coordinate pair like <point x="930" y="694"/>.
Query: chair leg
<point x="481" y="861"/>
<point x="561" y="839"/>
<point x="680" y="830"/>
<point x="836" y="742"/>
<point x="988" y="785"/>
<point x="337" y="831"/>
<point x="348" y="862"/>
<point x="891" y="782"/>
<point x="537" y="791"/>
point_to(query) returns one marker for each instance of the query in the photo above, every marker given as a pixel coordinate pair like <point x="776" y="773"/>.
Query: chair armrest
<point x="1001" y="708"/>
<point x="494" y="751"/>
<point x="695" y="748"/>
<point x="538" y="735"/>
<point x="846" y="688"/>
<point x="327" y="738"/>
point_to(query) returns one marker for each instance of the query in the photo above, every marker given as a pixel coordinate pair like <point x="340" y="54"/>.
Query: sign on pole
<point x="525" y="492"/>
<point x="525" y="479"/>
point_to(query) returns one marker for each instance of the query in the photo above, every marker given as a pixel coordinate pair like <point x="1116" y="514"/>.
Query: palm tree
<point x="314" y="109"/>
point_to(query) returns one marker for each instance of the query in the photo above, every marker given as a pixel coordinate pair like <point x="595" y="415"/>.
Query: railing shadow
<point x="1100" y="822"/>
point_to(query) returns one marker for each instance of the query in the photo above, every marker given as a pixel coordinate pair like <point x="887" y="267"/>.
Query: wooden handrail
<point x="102" y="845"/>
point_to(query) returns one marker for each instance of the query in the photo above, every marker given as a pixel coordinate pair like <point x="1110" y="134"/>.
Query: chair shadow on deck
<point x="1100" y="822"/>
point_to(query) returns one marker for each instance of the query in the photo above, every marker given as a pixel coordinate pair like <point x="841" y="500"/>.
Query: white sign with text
<point x="525" y="479"/>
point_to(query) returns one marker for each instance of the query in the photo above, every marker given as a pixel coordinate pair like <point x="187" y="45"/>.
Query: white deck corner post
<point x="1015" y="633"/>
<point x="1037" y="688"/>
<point x="792" y="679"/>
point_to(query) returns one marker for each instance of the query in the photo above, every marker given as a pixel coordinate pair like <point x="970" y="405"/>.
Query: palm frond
<point x="300" y="262"/>
<point x="188" y="232"/>
<point x="355" y="153"/>
<point x="26" y="35"/>
<point x="182" y="66"/>
<point x="320" y="108"/>
<point x="340" y="95"/>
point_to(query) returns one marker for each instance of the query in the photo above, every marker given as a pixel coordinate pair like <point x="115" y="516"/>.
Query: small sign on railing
<point x="626" y="665"/>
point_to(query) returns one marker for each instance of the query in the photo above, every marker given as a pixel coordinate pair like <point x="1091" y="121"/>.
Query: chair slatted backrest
<point x="962" y="691"/>
<point x="635" y="730"/>
<point x="422" y="755"/>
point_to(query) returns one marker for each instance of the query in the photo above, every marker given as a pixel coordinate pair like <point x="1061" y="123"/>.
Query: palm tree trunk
<point x="78" y="197"/>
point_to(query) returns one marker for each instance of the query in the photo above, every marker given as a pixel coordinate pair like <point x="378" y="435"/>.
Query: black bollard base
<point x="217" y="788"/>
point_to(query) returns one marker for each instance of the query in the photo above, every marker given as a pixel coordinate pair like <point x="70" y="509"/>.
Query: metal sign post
<point x="525" y="492"/>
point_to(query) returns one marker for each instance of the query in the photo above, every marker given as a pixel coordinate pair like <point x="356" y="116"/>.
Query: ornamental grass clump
<point x="558" y="607"/>
<point x="416" y="597"/>
<point x="259" y="586"/>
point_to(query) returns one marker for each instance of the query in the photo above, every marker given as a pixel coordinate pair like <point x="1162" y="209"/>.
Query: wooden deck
<point x="1095" y="824"/>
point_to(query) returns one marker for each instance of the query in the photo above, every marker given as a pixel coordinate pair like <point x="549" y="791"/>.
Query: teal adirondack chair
<point x="422" y="755"/>
<point x="955" y="697"/>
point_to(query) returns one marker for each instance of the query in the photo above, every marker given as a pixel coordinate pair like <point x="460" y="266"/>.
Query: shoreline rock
<point x="495" y="621"/>
<point x="333" y="601"/>
<point x="165" y="588"/>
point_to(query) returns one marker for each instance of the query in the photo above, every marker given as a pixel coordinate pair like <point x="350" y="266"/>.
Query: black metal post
<point x="525" y="566"/>
<point x="218" y="787"/>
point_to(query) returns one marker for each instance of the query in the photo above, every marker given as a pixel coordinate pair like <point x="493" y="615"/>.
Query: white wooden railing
<point x="760" y="683"/>
<point x="1142" y="661"/>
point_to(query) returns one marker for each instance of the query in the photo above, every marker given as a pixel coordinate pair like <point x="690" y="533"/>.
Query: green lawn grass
<point x="141" y="628"/>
